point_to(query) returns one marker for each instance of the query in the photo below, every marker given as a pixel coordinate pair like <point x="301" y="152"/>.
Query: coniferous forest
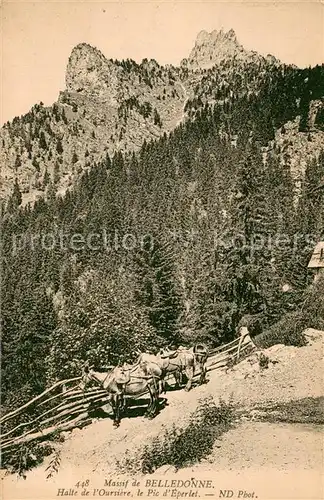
<point x="176" y="243"/>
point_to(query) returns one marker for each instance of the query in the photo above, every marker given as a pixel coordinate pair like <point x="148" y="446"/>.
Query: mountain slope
<point x="107" y="106"/>
<point x="111" y="106"/>
<point x="173" y="244"/>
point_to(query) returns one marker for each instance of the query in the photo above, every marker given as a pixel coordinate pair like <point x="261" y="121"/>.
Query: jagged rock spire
<point x="211" y="48"/>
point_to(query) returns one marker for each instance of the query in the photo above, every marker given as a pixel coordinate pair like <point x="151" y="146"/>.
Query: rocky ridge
<point x="212" y="48"/>
<point x="111" y="106"/>
<point x="107" y="106"/>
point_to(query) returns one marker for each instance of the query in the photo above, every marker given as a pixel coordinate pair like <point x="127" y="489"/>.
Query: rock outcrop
<point x="212" y="48"/>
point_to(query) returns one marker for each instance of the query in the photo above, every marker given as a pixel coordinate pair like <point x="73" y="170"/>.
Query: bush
<point x="27" y="456"/>
<point x="185" y="446"/>
<point x="313" y="308"/>
<point x="289" y="329"/>
<point x="254" y="323"/>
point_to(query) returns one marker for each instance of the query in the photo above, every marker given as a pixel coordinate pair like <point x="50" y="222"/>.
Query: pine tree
<point x="51" y="193"/>
<point x="59" y="147"/>
<point x="319" y="120"/>
<point x="26" y="338"/>
<point x="16" y="198"/>
<point x="46" y="178"/>
<point x="156" y="290"/>
<point x="157" y="118"/>
<point x="309" y="220"/>
<point x="249" y="224"/>
<point x="56" y="173"/>
<point x="42" y="140"/>
<point x="17" y="162"/>
<point x="64" y="117"/>
<point x="311" y="203"/>
<point x="100" y="322"/>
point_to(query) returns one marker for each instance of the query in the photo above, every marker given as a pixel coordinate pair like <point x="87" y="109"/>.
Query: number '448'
<point x="82" y="484"/>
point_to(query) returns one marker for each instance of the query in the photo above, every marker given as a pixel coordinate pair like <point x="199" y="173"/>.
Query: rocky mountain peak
<point x="212" y="48"/>
<point x="216" y="36"/>
<point x="88" y="71"/>
<point x="111" y="105"/>
<point x="86" y="50"/>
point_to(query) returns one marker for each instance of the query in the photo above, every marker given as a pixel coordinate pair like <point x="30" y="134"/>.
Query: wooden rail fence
<point x="57" y="410"/>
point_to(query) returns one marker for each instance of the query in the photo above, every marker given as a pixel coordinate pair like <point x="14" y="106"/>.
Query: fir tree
<point x="16" y="197"/>
<point x="156" y="290"/>
<point x="74" y="157"/>
<point x="42" y="140"/>
<point x="59" y="147"/>
<point x="46" y="178"/>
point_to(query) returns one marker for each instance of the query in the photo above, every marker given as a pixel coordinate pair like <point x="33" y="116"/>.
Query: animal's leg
<point x="148" y="412"/>
<point x="155" y="402"/>
<point x="201" y="368"/>
<point x="201" y="378"/>
<point x="203" y="373"/>
<point x="182" y="381"/>
<point x="123" y="405"/>
<point x="149" y="408"/>
<point x="162" y="386"/>
<point x="112" y="403"/>
<point x="116" y="406"/>
<point x="178" y="378"/>
<point x="190" y="374"/>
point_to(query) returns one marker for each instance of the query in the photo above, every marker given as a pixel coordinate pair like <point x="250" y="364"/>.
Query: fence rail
<point x="58" y="410"/>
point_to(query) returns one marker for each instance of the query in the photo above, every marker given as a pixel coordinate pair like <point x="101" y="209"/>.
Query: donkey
<point x="124" y="381"/>
<point x="155" y="365"/>
<point x="179" y="361"/>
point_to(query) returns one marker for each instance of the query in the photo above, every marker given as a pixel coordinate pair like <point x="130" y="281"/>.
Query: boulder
<point x="166" y="469"/>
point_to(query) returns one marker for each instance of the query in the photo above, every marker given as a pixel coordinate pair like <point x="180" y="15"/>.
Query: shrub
<point x="27" y="456"/>
<point x="313" y="307"/>
<point x="254" y="323"/>
<point x="288" y="330"/>
<point x="183" y="446"/>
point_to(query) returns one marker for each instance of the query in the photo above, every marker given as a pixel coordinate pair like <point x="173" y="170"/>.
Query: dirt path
<point x="285" y="446"/>
<point x="295" y="374"/>
<point x="186" y="99"/>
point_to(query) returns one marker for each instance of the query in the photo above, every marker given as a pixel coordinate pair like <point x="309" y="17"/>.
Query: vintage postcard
<point x="162" y="249"/>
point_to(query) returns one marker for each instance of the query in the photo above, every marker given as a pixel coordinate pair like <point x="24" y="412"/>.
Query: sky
<point x="37" y="37"/>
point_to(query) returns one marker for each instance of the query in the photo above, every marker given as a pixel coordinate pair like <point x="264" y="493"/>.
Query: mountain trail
<point x="293" y="374"/>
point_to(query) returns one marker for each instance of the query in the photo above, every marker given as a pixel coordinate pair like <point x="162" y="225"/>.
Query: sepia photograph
<point x="162" y="249"/>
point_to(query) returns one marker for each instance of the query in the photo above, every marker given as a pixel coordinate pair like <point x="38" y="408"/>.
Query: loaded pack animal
<point x="155" y="365"/>
<point x="120" y="382"/>
<point x="201" y="355"/>
<point x="183" y="360"/>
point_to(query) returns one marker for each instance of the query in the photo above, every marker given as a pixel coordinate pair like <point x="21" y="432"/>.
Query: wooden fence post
<point x="244" y="339"/>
